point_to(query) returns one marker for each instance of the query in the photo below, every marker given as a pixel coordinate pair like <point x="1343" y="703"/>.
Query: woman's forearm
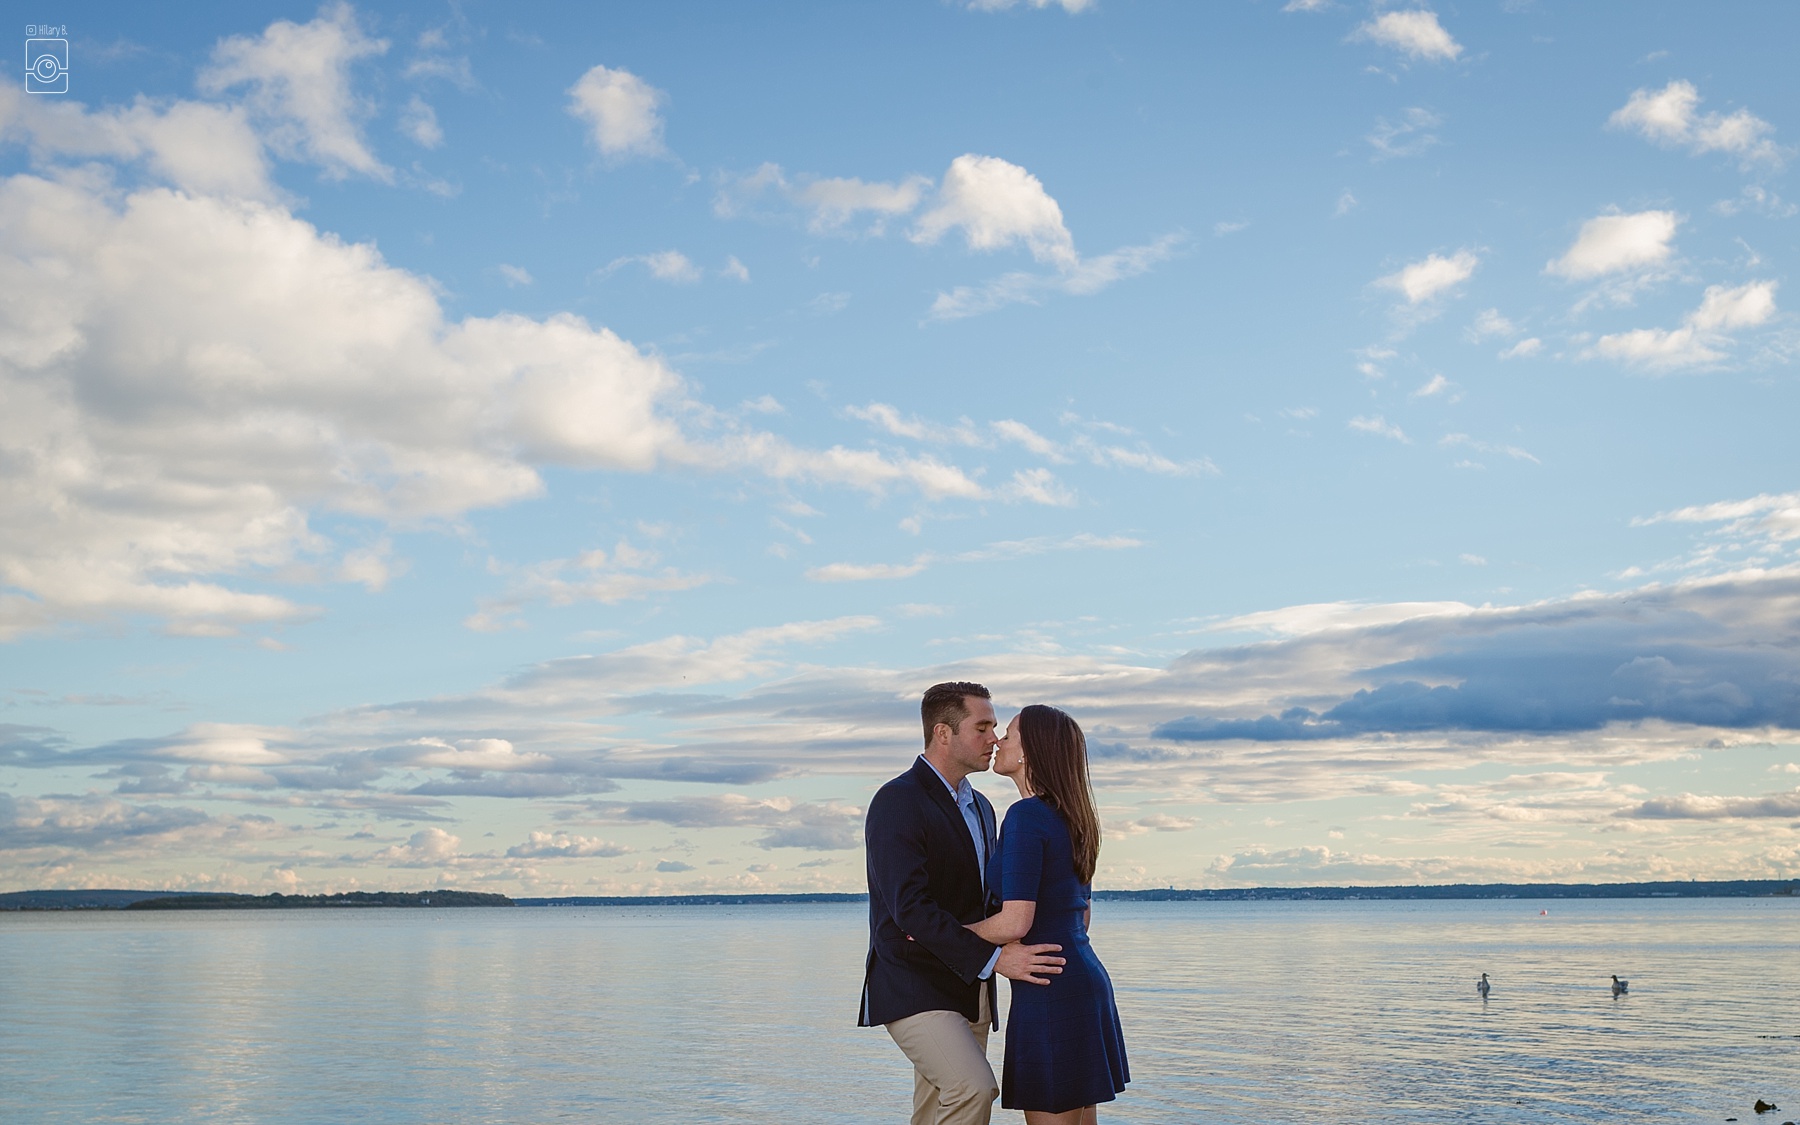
<point x="991" y="930"/>
<point x="1012" y="923"/>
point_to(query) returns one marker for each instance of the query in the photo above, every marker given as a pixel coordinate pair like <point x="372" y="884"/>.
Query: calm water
<point x="1253" y="1013"/>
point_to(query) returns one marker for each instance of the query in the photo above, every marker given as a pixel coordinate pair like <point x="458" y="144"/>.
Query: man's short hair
<point x="943" y="703"/>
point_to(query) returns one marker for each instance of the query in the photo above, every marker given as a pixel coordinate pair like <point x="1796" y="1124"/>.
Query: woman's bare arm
<point x="1012" y="923"/>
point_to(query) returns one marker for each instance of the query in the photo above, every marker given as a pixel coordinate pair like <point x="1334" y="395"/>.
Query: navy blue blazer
<point x="924" y="882"/>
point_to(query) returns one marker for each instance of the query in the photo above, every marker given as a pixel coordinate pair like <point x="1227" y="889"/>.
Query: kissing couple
<point x="953" y="903"/>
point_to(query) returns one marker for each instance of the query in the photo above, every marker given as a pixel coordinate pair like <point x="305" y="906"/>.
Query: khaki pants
<point x="952" y="1081"/>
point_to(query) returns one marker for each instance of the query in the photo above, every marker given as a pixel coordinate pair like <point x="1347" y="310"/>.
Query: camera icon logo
<point x="46" y="66"/>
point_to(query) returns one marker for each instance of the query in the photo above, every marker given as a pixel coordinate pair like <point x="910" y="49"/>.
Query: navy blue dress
<point x="1064" y="1048"/>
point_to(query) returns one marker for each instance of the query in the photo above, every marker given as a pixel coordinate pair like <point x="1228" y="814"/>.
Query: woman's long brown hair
<point x="1056" y="765"/>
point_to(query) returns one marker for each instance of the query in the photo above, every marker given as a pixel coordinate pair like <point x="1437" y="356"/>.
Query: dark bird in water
<point x="1620" y="987"/>
<point x="1482" y="986"/>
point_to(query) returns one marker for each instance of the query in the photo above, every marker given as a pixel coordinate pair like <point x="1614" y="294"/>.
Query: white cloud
<point x="1436" y="385"/>
<point x="435" y="62"/>
<point x="1613" y="243"/>
<point x="372" y="567"/>
<point x="1758" y="199"/>
<point x="1596" y="661"/>
<point x="1701" y="340"/>
<point x="1409" y="136"/>
<point x="1084" y="445"/>
<point x="992" y="552"/>
<point x="1670" y="117"/>
<point x="1523" y="349"/>
<point x="1070" y="6"/>
<point x="51" y="826"/>
<point x="674" y="662"/>
<point x="859" y="468"/>
<point x="1657" y="349"/>
<point x="299" y="88"/>
<point x="677" y="660"/>
<point x="816" y="826"/>
<point x="1742" y="307"/>
<point x="1516" y="715"/>
<point x="475" y="754"/>
<point x="1319" y="865"/>
<point x="890" y="420"/>
<point x="1687" y="806"/>
<point x="1021" y="434"/>
<point x="1380" y="427"/>
<point x="672" y="266"/>
<point x="419" y="121"/>
<point x="1666" y="115"/>
<point x="1023" y="548"/>
<point x="834" y="202"/>
<point x="428" y="847"/>
<point x="1421" y="281"/>
<point x="195" y="146"/>
<point x="563" y="845"/>
<point x="1306" y="5"/>
<point x="1370" y="363"/>
<point x="735" y="270"/>
<point x="1086" y="276"/>
<point x="997" y="204"/>
<point x="1489" y="323"/>
<point x="1513" y="451"/>
<point x="1415" y="33"/>
<point x="1759" y="530"/>
<point x="626" y="574"/>
<point x="242" y="373"/>
<point x="621" y="110"/>
<point x="1038" y="486"/>
<point x="865" y="572"/>
<point x="515" y="275"/>
<point x="1143" y="458"/>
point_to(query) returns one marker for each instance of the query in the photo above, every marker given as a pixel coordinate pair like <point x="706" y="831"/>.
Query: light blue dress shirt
<point x="964" y="795"/>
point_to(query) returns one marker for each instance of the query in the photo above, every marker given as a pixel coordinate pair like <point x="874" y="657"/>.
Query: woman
<point x="1064" y="1050"/>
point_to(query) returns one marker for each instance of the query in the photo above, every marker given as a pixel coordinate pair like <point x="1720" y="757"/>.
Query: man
<point x="929" y="980"/>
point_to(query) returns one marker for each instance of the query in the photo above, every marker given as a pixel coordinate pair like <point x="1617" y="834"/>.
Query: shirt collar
<point x="960" y="792"/>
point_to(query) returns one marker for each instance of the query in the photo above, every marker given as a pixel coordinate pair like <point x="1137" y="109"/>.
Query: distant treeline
<point x="352" y="899"/>
<point x="689" y="900"/>
<point x="1730" y="888"/>
<point x="175" y="900"/>
<point x="1735" y="888"/>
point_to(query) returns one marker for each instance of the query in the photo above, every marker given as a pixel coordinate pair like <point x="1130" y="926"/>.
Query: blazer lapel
<point x="940" y="794"/>
<point x="985" y="811"/>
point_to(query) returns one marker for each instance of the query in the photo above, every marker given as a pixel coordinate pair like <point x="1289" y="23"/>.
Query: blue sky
<point x="549" y="449"/>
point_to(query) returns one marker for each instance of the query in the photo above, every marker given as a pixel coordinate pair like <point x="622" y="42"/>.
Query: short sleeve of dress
<point x="1022" y="843"/>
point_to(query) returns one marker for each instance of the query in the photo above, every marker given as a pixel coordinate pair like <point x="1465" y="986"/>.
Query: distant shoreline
<point x="441" y="899"/>
<point x="1733" y="888"/>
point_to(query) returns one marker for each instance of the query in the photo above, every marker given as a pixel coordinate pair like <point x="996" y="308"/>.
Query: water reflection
<point x="1242" y="1012"/>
